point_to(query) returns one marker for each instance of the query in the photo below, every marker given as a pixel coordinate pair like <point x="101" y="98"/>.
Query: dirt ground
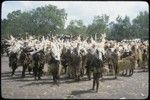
<point x="134" y="87"/>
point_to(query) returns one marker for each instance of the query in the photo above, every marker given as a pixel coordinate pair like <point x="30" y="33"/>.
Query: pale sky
<point x="84" y="10"/>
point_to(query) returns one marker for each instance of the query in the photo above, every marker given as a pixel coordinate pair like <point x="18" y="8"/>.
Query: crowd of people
<point x="76" y="56"/>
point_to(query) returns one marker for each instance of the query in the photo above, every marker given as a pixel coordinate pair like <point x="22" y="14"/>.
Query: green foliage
<point x="99" y="26"/>
<point x="39" y="21"/>
<point x="121" y="29"/>
<point x="124" y="29"/>
<point x="141" y="25"/>
<point x="76" y="27"/>
<point x="49" y="20"/>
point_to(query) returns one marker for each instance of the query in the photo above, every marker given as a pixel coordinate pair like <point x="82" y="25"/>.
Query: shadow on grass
<point x="36" y="83"/>
<point x="16" y="77"/>
<point x="108" y="78"/>
<point x="80" y="92"/>
<point x="141" y="70"/>
<point x="47" y="81"/>
<point x="8" y="73"/>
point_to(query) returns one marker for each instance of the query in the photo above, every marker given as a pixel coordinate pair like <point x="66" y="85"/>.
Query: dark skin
<point x="41" y="65"/>
<point x="36" y="65"/>
<point x="96" y="81"/>
<point x="55" y="69"/>
<point x="115" y="62"/>
<point x="88" y="65"/>
<point x="25" y="61"/>
<point x="144" y="57"/>
<point x="64" y="60"/>
<point x="97" y="64"/>
<point x="13" y="63"/>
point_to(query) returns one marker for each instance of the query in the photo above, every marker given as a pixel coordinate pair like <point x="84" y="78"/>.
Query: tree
<point x="49" y="19"/>
<point x="42" y="20"/>
<point x="99" y="26"/>
<point x="12" y="25"/>
<point x="140" y="27"/>
<point x="76" y="27"/>
<point x="121" y="29"/>
<point x="4" y="28"/>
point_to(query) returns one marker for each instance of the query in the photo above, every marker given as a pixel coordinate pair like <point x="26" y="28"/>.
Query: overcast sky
<point x="84" y="10"/>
